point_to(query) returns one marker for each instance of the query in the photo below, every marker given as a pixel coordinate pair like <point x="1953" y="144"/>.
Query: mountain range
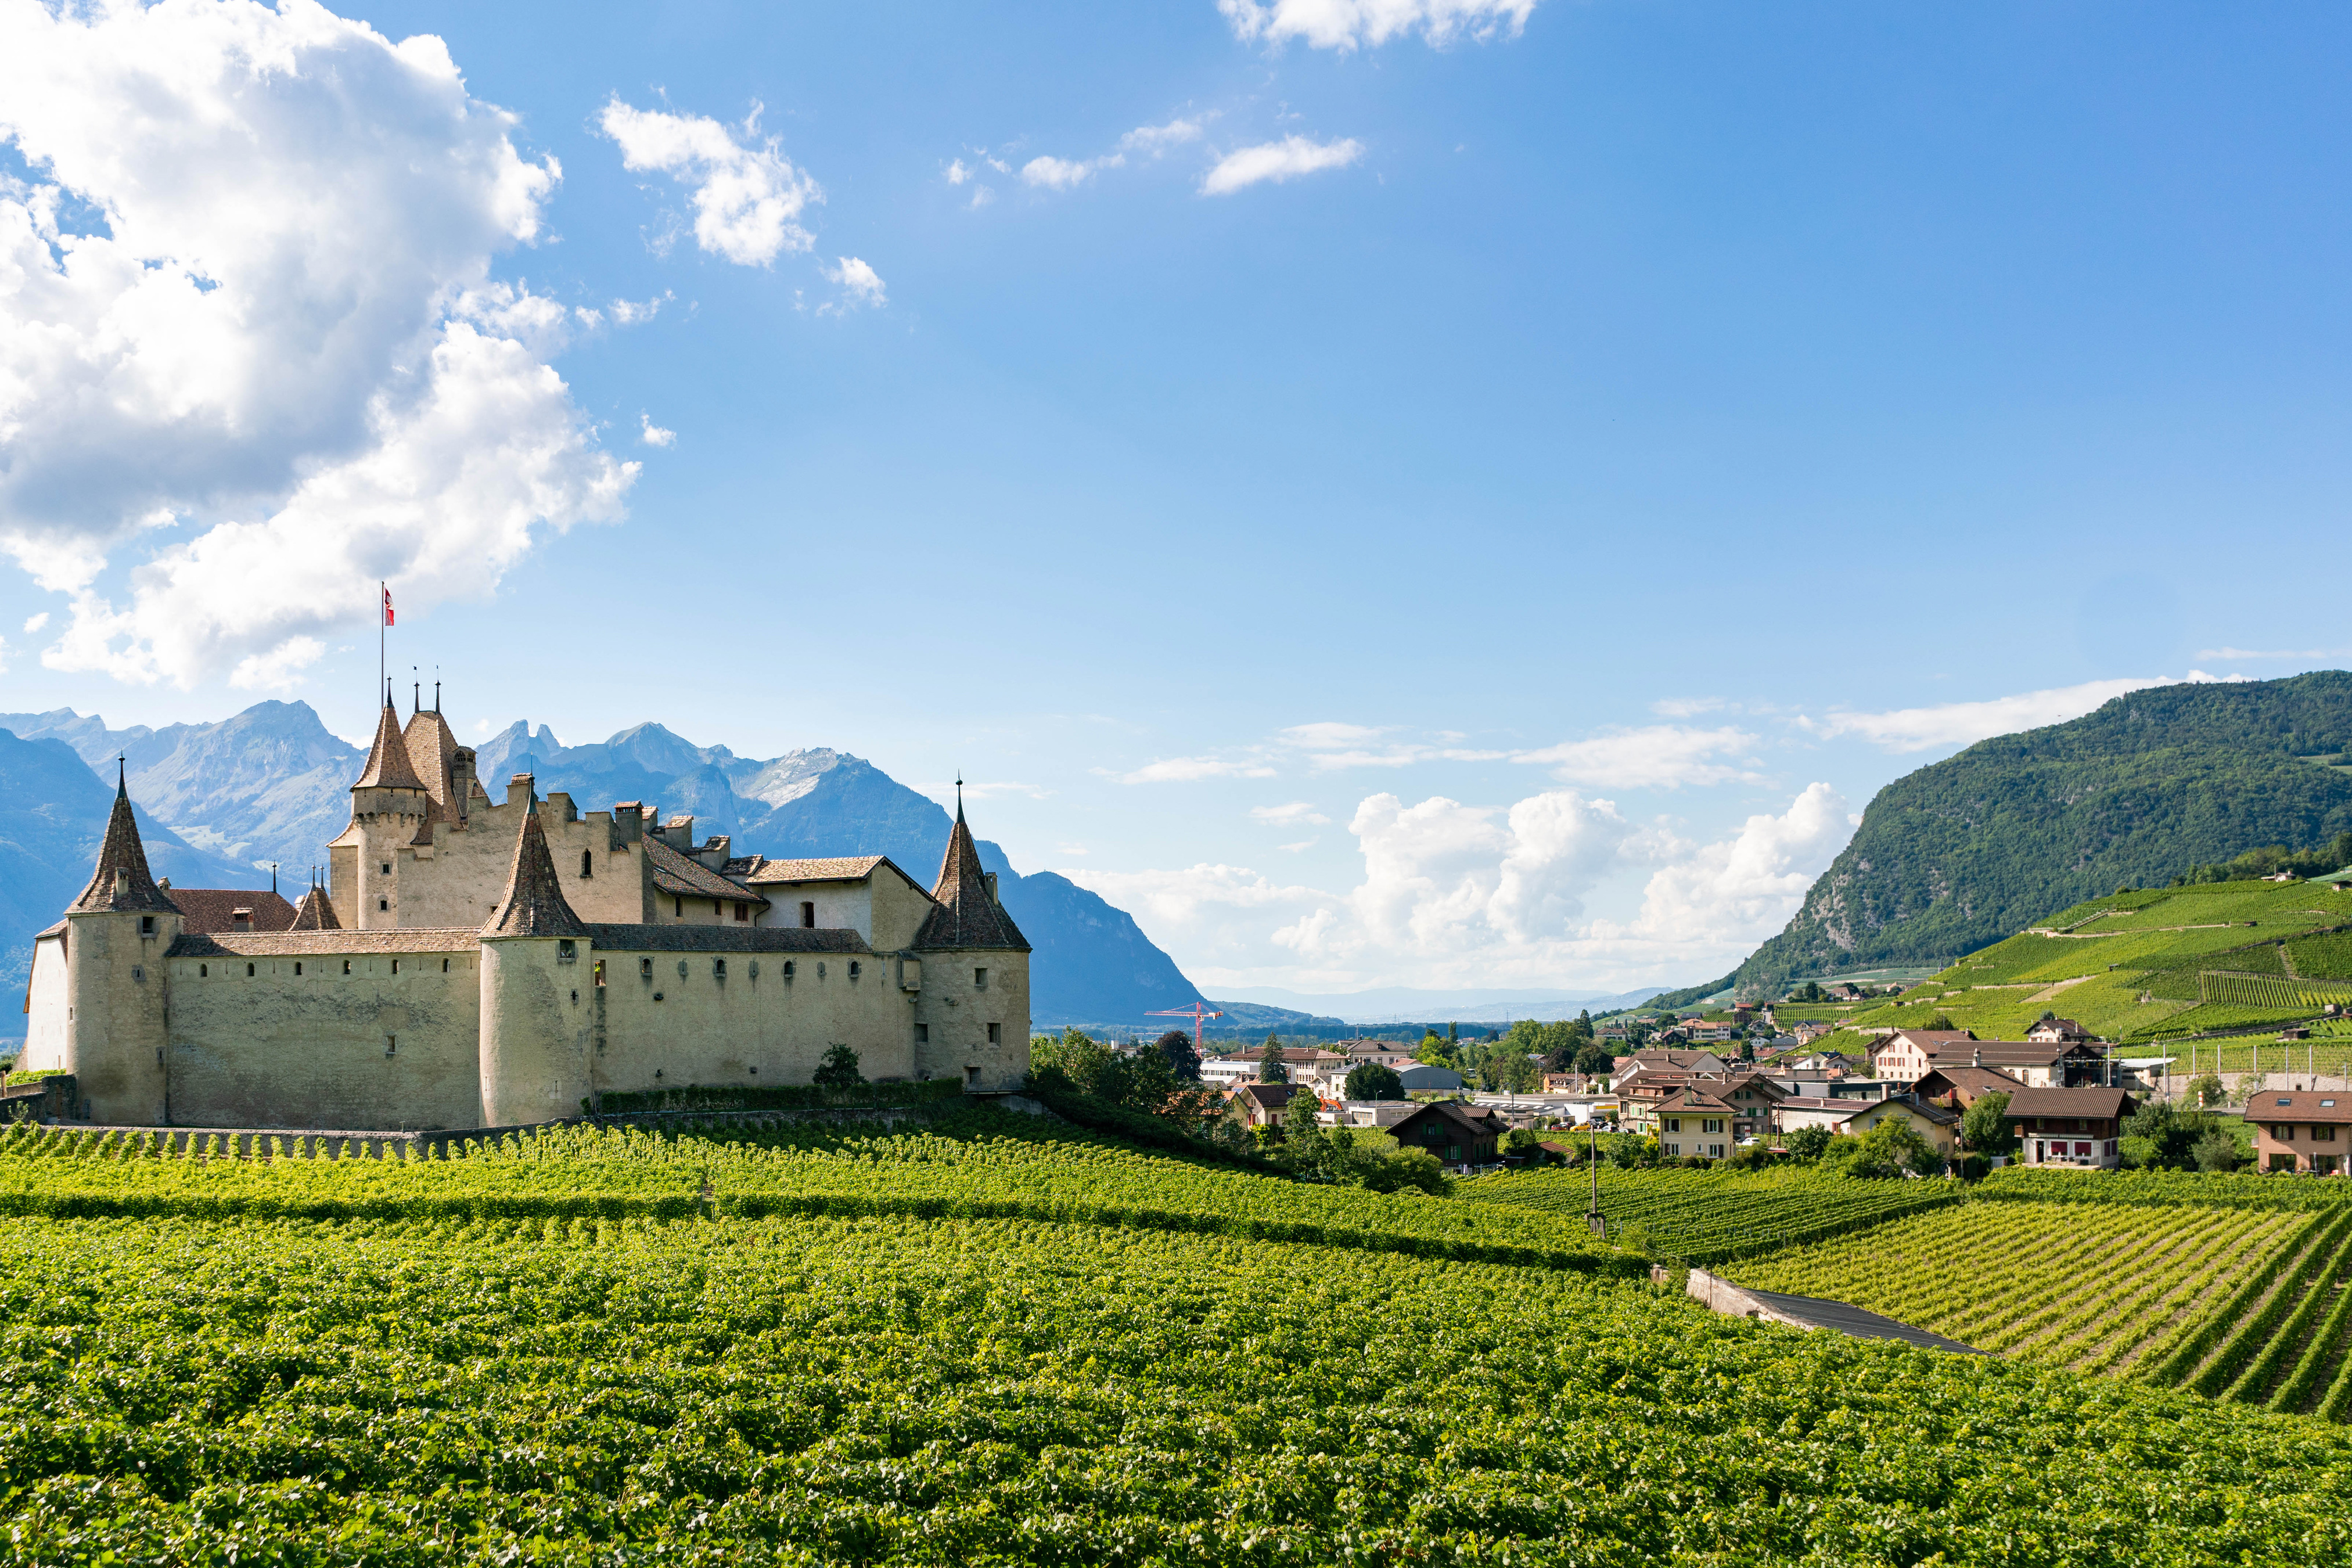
<point x="1971" y="849"/>
<point x="1403" y="1003"/>
<point x="223" y="801"/>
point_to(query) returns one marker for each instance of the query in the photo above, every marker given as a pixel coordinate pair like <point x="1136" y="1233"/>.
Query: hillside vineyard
<point x="475" y="964"/>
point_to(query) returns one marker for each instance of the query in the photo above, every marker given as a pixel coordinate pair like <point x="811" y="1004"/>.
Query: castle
<point x="479" y="965"/>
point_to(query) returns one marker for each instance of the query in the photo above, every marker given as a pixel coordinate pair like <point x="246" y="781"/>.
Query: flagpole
<point x="382" y="675"/>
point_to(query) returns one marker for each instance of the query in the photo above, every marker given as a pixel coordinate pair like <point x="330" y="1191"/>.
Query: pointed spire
<point x="314" y="912"/>
<point x="388" y="766"/>
<point x="121" y="880"/>
<point x="966" y="914"/>
<point x="534" y="903"/>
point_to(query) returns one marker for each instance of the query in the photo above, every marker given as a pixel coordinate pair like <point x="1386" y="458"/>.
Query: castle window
<point x="755" y="969"/>
<point x="347" y="966"/>
<point x="922" y="1033"/>
<point x="383" y="904"/>
<point x="996" y="1034"/>
<point x="808" y="916"/>
<point x="139" y="973"/>
<point x="249" y="972"/>
<point x="387" y="868"/>
<point x="567" y="951"/>
<point x="788" y="969"/>
<point x="204" y="971"/>
<point x="599" y="972"/>
<point x="146" y="925"/>
<point x="743" y="911"/>
<point x="681" y="969"/>
<point x="644" y="969"/>
<point x="395" y="966"/>
<point x="679" y="901"/>
<point x="980" y="980"/>
<point x="445" y="967"/>
<point x="587" y="864"/>
<point x="717" y="969"/>
<point x="854" y="969"/>
<point x="298" y="966"/>
<point x="971" y="1077"/>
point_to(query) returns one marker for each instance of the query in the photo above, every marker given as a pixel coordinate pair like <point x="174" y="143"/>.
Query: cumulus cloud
<point x="1346" y="24"/>
<point x="748" y="197"/>
<point x="654" y="434"/>
<point x="1151" y="141"/>
<point x="33" y="624"/>
<point x="1284" y="159"/>
<point x="1052" y="173"/>
<point x="247" y="292"/>
<point x="1961" y="724"/>
<point x="1063" y="173"/>
<point x="1658" y="756"/>
<point x="1739" y="891"/>
<point x="859" y="283"/>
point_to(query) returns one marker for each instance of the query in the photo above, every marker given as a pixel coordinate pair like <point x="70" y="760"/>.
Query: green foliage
<point x="2274" y="858"/>
<point x="37" y="1075"/>
<point x="1808" y="1143"/>
<point x="838" y="1070"/>
<point x="1373" y="1080"/>
<point x="1708" y="1216"/>
<point x="1962" y="853"/>
<point x="2163" y="1137"/>
<point x="774" y="1097"/>
<point x="2323" y="957"/>
<point x="1984" y="1127"/>
<point x="1183" y="1056"/>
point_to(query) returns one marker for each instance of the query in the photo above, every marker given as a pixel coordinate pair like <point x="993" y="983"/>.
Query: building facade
<point x="472" y="963"/>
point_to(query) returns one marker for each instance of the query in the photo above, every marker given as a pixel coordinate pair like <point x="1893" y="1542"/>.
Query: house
<point x="1263" y="1104"/>
<point x="2078" y="1127"/>
<point x="1938" y="1126"/>
<point x="1907" y="1053"/>
<point x="1958" y="1087"/>
<point x="1242" y="1066"/>
<point x="1456" y="1133"/>
<point x="1646" y="1061"/>
<point x="1376" y="1114"/>
<point x="2054" y="1030"/>
<point x="1384" y="1053"/>
<point x="1751" y="1097"/>
<point x="1694" y="1122"/>
<point x="2301" y="1132"/>
<point x="1641" y="1097"/>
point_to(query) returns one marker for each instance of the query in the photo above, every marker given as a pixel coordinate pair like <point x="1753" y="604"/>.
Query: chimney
<point x="990" y="878"/>
<point x="1976" y="1058"/>
<point x="527" y="785"/>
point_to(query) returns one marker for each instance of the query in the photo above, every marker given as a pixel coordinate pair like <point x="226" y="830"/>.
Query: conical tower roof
<point x="534" y="903"/>
<point x="315" y="913"/>
<point x="966" y="916"/>
<point x="121" y="881"/>
<point x="388" y="766"/>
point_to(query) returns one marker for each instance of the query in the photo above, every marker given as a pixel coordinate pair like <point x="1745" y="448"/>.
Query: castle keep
<point x="478" y="964"/>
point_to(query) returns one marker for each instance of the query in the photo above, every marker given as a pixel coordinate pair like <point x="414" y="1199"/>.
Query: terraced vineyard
<point x="1712" y="1216"/>
<point x="562" y="1352"/>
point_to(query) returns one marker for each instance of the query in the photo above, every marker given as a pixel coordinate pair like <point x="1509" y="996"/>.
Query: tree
<point x="2206" y="1090"/>
<point x="1183" y="1058"/>
<point x="1941" y="1021"/>
<point x="1594" y="1057"/>
<point x="1808" y="1143"/>
<point x="1521" y="1143"/>
<point x="838" y="1070"/>
<point x="1271" y="1068"/>
<point x="1985" y="1128"/>
<point x="1373" y="1080"/>
<point x="1302" y="1135"/>
<point x="2218" y="1150"/>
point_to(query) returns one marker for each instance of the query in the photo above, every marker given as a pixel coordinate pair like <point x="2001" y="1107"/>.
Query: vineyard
<point x="566" y="1353"/>
<point x="1710" y="1217"/>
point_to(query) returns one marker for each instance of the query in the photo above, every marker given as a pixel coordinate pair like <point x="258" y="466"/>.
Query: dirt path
<point x="2049" y="993"/>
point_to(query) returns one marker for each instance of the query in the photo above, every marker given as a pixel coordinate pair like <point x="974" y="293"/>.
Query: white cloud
<point x="1345" y="25"/>
<point x="860" y="282"/>
<point x="629" y="312"/>
<point x="959" y="172"/>
<point x="1687" y="707"/>
<point x="36" y="623"/>
<point x="4" y="656"/>
<point x="1302" y="845"/>
<point x="1294" y="811"/>
<point x="1330" y="745"/>
<point x="281" y="668"/>
<point x="1660" y="756"/>
<point x="1185" y="770"/>
<point x="1960" y="723"/>
<point x="1284" y="159"/>
<point x="1735" y="894"/>
<point x="1151" y="141"/>
<point x="275" y="325"/>
<point x="654" y="434"/>
<point x="1331" y="736"/>
<point x="1062" y="174"/>
<point x="748" y="200"/>
<point x="982" y="198"/>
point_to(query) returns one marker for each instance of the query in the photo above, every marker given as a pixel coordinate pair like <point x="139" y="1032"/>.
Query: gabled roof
<point x="388" y="766"/>
<point x="1970" y="1080"/>
<point x="121" y="882"/>
<point x="314" y="943"/>
<point x="534" y="903"/>
<point x="315" y="913"/>
<point x="832" y="868"/>
<point x="1698" y="1100"/>
<point x="2275" y="1105"/>
<point x="1272" y="1095"/>
<point x="2078" y="1102"/>
<point x="965" y="916"/>
<point x="679" y="875"/>
<point x="1477" y="1120"/>
<point x="1929" y="1040"/>
<point x="214" y="908"/>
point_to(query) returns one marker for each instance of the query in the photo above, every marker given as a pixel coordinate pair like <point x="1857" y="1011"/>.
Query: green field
<point x="993" y="1341"/>
<point x="1708" y="1216"/>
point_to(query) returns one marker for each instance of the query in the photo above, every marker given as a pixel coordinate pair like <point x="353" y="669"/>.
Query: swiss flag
<point x="387" y="606"/>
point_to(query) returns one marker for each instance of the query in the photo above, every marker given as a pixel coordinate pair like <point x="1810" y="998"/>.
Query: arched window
<point x="587" y="864"/>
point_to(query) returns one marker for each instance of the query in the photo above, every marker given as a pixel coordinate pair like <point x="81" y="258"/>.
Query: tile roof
<point x="1272" y="1095"/>
<point x="2271" y="1105"/>
<point x="534" y="903"/>
<point x="315" y="913"/>
<point x="967" y="917"/>
<point x="2073" y="1102"/>
<point x="214" y="908"/>
<point x="121" y="860"/>
<point x="388" y="766"/>
<point x="676" y="875"/>
<point x="725" y="939"/>
<point x="834" y="868"/>
<point x="297" y="943"/>
<point x="1974" y="1079"/>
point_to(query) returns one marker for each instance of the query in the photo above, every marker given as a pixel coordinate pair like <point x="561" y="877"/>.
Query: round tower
<point x="117" y="935"/>
<point x="536" y="1008"/>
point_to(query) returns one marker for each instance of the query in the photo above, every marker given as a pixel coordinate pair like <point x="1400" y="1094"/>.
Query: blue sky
<point x="1487" y="555"/>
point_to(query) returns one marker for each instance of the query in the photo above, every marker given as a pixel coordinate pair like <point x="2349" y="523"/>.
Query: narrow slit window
<point x="718" y="969"/>
<point x="395" y="966"/>
<point x="922" y="1033"/>
<point x="678" y="903"/>
<point x="587" y="864"/>
<point x="444" y="966"/>
<point x="298" y="966"/>
<point x="808" y="916"/>
<point x="996" y="1034"/>
<point x="347" y="966"/>
<point x="854" y="969"/>
<point x="980" y="980"/>
<point x="249" y="972"/>
<point x="383" y="905"/>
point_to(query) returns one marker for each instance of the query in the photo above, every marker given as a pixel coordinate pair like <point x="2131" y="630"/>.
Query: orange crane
<point x="1197" y="1013"/>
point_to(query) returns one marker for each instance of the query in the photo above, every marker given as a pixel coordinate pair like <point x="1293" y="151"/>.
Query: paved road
<point x="1854" y="1321"/>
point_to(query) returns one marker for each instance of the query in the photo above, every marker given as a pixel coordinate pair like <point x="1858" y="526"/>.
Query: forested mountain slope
<point x="1968" y="850"/>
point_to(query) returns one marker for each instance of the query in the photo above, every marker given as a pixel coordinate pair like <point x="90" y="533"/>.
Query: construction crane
<point x="1196" y="1012"/>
